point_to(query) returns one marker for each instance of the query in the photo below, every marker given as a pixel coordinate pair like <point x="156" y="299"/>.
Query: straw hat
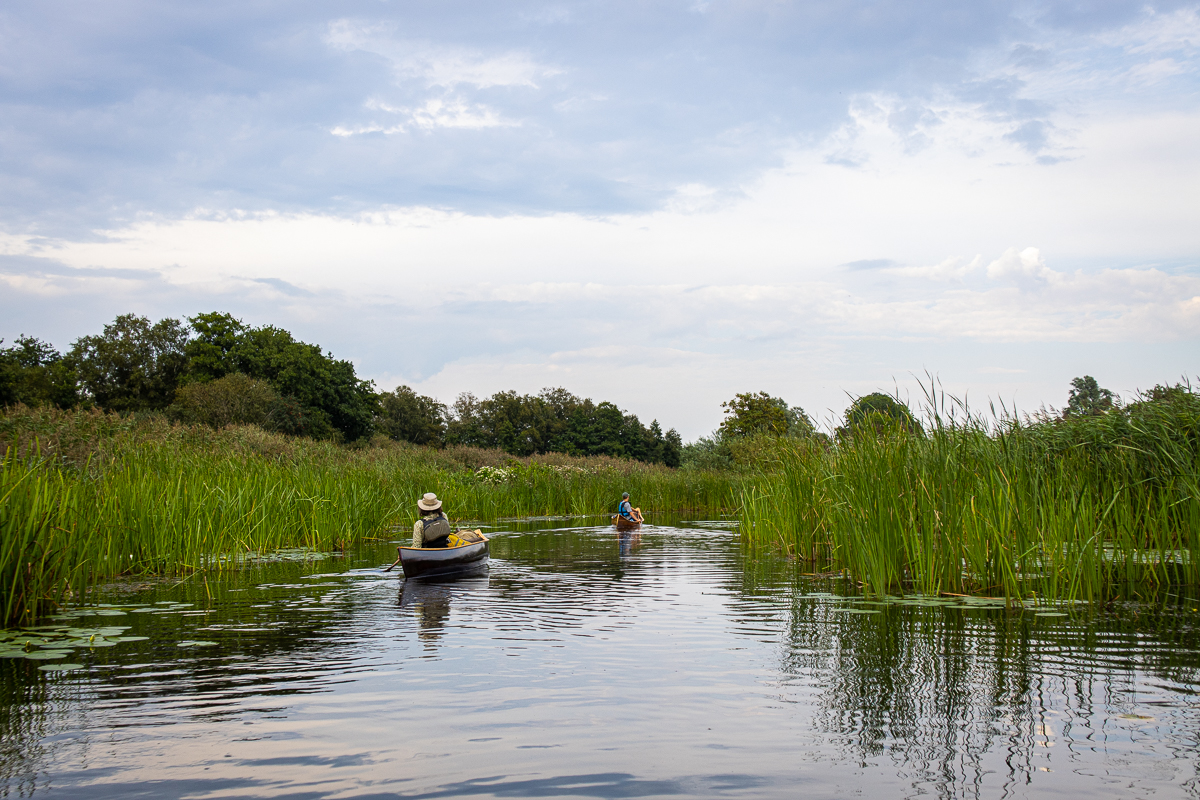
<point x="429" y="502"/>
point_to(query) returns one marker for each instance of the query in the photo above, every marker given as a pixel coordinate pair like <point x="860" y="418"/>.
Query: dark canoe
<point x="429" y="562"/>
<point x="624" y="524"/>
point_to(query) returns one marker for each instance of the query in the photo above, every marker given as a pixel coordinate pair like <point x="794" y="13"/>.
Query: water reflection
<point x="665" y="662"/>
<point x="429" y="600"/>
<point x="627" y="541"/>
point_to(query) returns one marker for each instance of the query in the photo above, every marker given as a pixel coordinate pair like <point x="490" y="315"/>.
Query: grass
<point x="86" y="496"/>
<point x="1085" y="509"/>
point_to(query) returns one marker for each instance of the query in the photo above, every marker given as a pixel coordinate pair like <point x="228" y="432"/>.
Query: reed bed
<point x="86" y="496"/>
<point x="1085" y="509"/>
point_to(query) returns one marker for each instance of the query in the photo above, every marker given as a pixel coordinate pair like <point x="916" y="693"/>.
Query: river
<point x="592" y="664"/>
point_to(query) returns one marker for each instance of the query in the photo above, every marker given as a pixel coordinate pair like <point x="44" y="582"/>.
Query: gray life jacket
<point x="434" y="528"/>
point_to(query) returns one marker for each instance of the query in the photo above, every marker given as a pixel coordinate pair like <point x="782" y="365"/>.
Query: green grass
<point x="1082" y="509"/>
<point x="86" y="496"/>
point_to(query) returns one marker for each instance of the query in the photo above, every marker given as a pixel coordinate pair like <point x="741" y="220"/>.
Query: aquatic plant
<point x="1080" y="508"/>
<point x="86" y="496"/>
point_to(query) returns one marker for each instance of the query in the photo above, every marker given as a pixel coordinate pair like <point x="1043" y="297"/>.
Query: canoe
<point x="460" y="557"/>
<point x="624" y="524"/>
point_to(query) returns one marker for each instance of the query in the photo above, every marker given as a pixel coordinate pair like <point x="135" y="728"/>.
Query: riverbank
<point x="89" y="496"/>
<point x="1090" y="508"/>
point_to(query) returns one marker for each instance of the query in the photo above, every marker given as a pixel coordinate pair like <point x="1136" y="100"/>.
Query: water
<point x="592" y="665"/>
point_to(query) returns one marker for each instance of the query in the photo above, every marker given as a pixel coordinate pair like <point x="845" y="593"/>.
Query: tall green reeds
<point x="1070" y="509"/>
<point x="85" y="497"/>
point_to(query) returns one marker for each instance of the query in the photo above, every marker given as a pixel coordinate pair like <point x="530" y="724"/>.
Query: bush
<point x="236" y="399"/>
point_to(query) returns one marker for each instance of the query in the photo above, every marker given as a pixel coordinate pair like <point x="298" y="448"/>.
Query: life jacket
<point x="434" y="528"/>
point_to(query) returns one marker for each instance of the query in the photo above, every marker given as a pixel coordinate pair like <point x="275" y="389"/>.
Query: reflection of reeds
<point x="1081" y="509"/>
<point x="85" y="496"/>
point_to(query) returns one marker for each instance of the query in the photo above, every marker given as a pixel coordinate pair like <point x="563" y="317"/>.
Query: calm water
<point x="591" y="665"/>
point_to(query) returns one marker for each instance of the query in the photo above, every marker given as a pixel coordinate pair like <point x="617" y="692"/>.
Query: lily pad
<point x="1050" y="614"/>
<point x="47" y="655"/>
<point x="132" y="638"/>
<point x="190" y="643"/>
<point x="110" y="612"/>
<point x="60" y="667"/>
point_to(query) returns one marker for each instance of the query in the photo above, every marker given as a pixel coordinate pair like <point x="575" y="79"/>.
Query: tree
<point x="557" y="421"/>
<point x="327" y="392"/>
<point x="407" y="416"/>
<point x="132" y="365"/>
<point x="210" y="352"/>
<point x="749" y="414"/>
<point x="880" y="413"/>
<point x="1087" y="399"/>
<point x="34" y="373"/>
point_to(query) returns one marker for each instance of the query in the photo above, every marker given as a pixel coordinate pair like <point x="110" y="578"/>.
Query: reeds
<point x="1080" y="509"/>
<point x="85" y="497"/>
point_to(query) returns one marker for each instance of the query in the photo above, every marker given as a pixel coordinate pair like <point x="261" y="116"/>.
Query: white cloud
<point x="1022" y="267"/>
<point x="439" y="65"/>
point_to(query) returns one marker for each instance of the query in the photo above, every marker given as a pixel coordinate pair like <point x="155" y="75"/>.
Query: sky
<point x="659" y="204"/>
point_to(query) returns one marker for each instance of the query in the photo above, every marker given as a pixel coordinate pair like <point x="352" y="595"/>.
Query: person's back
<point x="433" y="527"/>
<point x="626" y="510"/>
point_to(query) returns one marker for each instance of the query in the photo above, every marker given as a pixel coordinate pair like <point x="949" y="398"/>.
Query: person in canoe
<point x="432" y="528"/>
<point x="627" y="512"/>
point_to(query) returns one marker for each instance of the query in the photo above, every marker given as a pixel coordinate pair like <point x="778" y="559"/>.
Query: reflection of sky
<point x="809" y="198"/>
<point x="571" y="670"/>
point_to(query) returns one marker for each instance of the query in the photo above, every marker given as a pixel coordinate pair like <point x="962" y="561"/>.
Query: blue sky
<point x="659" y="204"/>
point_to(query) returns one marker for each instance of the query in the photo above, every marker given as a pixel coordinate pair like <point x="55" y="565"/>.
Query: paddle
<point x="389" y="569"/>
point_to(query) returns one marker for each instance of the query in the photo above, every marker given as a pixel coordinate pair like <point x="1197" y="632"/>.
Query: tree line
<point x="215" y="370"/>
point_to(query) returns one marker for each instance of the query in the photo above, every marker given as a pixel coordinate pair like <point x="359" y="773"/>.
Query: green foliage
<point x="557" y="421"/>
<point x="87" y="496"/>
<point x="34" y="373"/>
<point x="708" y="452"/>
<point x="879" y="413"/>
<point x="1087" y="399"/>
<point x="749" y="414"/>
<point x="133" y="365"/>
<point x="406" y="416"/>
<point x="235" y="399"/>
<point x="1085" y="507"/>
<point x="329" y="397"/>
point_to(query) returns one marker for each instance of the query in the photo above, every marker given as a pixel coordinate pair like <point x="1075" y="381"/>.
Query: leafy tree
<point x="211" y="349"/>
<point x="880" y="413"/>
<point x="133" y="365"/>
<point x="407" y="416"/>
<point x="1087" y="399"/>
<point x="749" y="414"/>
<point x="34" y="373"/>
<point x="327" y="392"/>
<point x="557" y="421"/>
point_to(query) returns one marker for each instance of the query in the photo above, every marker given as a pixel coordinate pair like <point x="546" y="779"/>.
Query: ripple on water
<point x="588" y="663"/>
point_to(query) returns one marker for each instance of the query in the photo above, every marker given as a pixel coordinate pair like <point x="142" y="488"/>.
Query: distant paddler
<point x="627" y="516"/>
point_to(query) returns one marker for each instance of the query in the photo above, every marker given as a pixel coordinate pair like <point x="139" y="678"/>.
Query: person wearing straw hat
<point x="433" y="526"/>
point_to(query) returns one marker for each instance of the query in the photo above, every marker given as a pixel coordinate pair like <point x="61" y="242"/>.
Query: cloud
<point x="1022" y="267"/>
<point x="438" y="65"/>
